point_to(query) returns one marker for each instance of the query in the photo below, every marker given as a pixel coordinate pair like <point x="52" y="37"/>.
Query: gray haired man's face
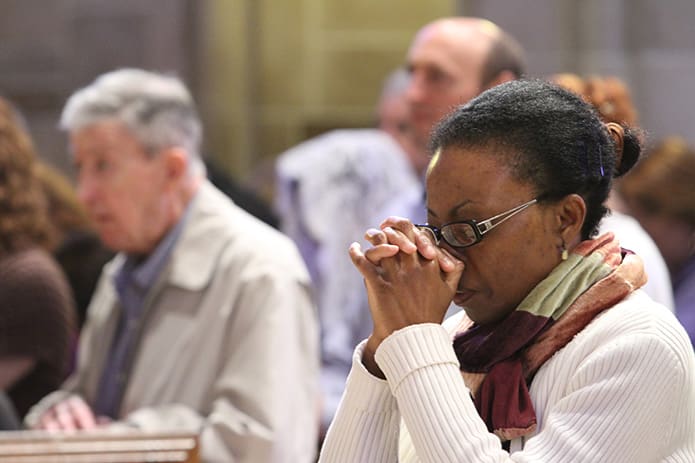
<point x="124" y="190"/>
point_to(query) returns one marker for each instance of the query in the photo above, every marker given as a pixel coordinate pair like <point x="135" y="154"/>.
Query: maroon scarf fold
<point x="499" y="361"/>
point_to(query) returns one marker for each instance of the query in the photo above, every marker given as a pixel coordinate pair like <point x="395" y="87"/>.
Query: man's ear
<point x="570" y="213"/>
<point x="502" y="77"/>
<point x="175" y="162"/>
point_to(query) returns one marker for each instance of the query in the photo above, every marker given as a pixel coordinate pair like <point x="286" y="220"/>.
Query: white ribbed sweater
<point x="622" y="391"/>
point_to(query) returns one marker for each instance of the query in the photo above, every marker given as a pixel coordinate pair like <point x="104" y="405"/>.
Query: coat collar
<point x="206" y="233"/>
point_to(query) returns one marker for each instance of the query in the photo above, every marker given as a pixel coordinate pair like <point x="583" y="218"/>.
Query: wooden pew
<point x="98" y="447"/>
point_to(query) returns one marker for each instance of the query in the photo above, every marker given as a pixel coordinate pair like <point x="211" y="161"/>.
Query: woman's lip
<point x="462" y="295"/>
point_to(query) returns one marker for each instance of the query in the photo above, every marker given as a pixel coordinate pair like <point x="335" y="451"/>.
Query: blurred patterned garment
<point x="330" y="190"/>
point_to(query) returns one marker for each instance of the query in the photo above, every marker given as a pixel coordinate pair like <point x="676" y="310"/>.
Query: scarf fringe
<point x="513" y="433"/>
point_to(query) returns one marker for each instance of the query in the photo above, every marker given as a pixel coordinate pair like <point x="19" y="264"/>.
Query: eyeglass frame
<point x="479" y="228"/>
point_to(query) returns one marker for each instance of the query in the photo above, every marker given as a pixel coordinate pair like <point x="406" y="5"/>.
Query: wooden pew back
<point x="98" y="447"/>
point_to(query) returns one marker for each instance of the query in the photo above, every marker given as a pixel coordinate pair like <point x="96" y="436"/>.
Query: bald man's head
<point x="451" y="61"/>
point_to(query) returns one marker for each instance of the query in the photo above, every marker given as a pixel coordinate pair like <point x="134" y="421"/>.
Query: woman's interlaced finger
<point x="377" y="253"/>
<point x="404" y="240"/>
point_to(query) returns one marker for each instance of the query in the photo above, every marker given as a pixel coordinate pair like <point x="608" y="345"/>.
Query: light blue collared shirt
<point x="133" y="281"/>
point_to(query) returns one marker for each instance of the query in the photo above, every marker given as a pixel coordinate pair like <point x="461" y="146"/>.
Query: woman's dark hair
<point x="551" y="139"/>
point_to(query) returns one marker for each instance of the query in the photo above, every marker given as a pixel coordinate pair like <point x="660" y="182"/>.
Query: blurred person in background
<point x="450" y="61"/>
<point x="243" y="197"/>
<point x="611" y="98"/>
<point x="660" y="194"/>
<point x="203" y="321"/>
<point x="329" y="190"/>
<point x="37" y="312"/>
<point x="78" y="249"/>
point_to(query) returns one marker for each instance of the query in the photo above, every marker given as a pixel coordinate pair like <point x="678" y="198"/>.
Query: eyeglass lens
<point x="459" y="234"/>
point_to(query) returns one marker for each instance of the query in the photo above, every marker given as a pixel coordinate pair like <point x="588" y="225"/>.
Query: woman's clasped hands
<point x="409" y="279"/>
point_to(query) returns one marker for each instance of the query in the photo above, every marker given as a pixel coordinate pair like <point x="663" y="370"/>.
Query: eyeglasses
<point x="469" y="232"/>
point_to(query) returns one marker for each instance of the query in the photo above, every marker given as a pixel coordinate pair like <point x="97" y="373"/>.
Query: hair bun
<point x="628" y="148"/>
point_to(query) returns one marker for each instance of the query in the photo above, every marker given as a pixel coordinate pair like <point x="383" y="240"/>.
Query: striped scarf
<point x="499" y="361"/>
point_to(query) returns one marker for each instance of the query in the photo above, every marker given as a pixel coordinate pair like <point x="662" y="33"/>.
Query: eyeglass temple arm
<point x="487" y="225"/>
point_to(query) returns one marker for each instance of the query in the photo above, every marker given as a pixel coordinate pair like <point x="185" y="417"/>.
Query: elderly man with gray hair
<point x="203" y="321"/>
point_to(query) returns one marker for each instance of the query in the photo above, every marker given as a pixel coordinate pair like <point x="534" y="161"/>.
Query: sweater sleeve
<point x="365" y="427"/>
<point x="423" y="373"/>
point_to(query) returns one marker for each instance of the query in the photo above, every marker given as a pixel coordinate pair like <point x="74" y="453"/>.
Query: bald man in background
<point x="451" y="61"/>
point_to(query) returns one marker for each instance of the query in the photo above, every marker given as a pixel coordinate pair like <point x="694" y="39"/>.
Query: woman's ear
<point x="570" y="215"/>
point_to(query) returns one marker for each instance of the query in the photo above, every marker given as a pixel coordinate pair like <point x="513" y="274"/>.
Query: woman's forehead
<point x="461" y="179"/>
<point x="474" y="169"/>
